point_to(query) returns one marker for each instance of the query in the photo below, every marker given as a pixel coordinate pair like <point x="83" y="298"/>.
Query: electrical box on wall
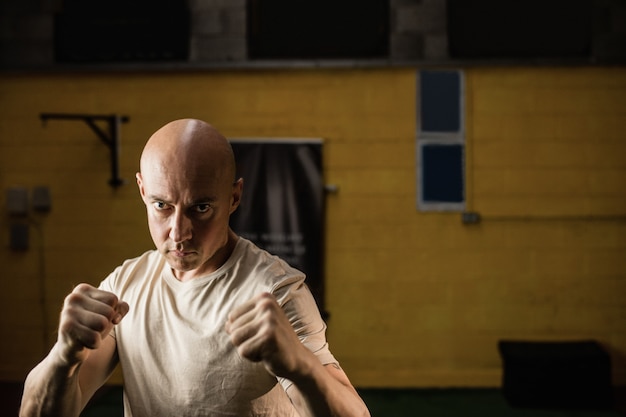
<point x="19" y="236"/>
<point x="41" y="199"/>
<point x="19" y="208"/>
<point x="17" y="201"/>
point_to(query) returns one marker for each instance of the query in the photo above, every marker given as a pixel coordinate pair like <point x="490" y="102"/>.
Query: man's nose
<point x="180" y="227"/>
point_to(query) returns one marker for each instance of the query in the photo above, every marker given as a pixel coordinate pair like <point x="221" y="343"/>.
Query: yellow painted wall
<point x="416" y="299"/>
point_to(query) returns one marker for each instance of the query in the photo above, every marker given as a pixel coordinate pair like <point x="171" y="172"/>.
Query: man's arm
<point x="82" y="358"/>
<point x="261" y="332"/>
<point x="312" y="400"/>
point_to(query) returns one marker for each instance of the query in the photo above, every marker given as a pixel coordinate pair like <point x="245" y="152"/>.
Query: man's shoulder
<point x="147" y="263"/>
<point x="265" y="263"/>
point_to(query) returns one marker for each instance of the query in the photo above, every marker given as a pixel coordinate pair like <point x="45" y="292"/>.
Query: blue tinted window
<point x="440" y="94"/>
<point x="442" y="173"/>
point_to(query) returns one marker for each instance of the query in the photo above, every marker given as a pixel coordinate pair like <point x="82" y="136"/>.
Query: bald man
<point x="207" y="324"/>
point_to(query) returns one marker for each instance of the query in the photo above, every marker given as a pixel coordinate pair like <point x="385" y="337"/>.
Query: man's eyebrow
<point x="204" y="200"/>
<point x="155" y="197"/>
<point x="201" y="200"/>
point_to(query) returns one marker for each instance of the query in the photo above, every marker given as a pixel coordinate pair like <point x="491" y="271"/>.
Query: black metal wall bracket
<point x="110" y="138"/>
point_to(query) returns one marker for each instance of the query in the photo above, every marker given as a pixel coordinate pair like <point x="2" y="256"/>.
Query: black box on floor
<point x="568" y="375"/>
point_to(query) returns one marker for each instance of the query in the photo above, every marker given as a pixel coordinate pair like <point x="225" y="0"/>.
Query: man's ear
<point x="142" y="191"/>
<point x="235" y="198"/>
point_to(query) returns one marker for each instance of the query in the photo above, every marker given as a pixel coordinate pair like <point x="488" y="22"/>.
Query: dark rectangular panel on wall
<point x="86" y="32"/>
<point x="282" y="206"/>
<point x="440" y="103"/>
<point x="318" y="29"/>
<point x="442" y="173"/>
<point x="480" y="29"/>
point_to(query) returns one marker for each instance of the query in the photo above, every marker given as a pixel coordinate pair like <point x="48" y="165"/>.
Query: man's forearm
<point x="51" y="389"/>
<point x="322" y="394"/>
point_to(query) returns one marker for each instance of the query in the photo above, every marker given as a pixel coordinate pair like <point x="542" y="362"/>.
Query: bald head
<point x="187" y="184"/>
<point x="189" y="146"/>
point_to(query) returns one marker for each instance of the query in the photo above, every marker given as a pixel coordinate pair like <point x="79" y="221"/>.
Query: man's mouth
<point x="180" y="253"/>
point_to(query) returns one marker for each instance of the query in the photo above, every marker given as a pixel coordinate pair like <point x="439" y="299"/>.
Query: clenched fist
<point x="262" y="333"/>
<point x="87" y="317"/>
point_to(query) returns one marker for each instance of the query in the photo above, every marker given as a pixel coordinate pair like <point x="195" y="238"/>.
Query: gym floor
<point x="381" y="402"/>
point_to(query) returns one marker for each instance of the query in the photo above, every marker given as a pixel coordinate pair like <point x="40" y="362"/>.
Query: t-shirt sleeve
<point x="301" y="310"/>
<point x="107" y="285"/>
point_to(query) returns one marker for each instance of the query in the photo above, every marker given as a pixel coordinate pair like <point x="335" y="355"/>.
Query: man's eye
<point x="203" y="208"/>
<point x="159" y="205"/>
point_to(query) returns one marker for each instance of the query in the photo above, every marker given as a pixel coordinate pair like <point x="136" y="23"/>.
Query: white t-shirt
<point x="176" y="357"/>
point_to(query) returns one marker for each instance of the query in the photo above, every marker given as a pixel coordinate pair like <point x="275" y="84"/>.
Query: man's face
<point x="188" y="212"/>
